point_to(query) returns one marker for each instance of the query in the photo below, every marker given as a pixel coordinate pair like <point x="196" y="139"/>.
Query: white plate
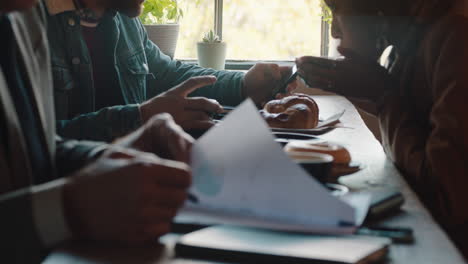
<point x="323" y="127"/>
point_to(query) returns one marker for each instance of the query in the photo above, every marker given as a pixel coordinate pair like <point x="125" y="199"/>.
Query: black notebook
<point x="249" y="245"/>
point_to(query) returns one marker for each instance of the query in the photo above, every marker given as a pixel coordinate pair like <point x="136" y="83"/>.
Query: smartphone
<point x="384" y="202"/>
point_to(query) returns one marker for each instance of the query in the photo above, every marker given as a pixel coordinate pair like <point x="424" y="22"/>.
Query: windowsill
<point x="244" y="65"/>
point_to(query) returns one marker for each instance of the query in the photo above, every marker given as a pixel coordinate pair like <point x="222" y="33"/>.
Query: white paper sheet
<point x="241" y="173"/>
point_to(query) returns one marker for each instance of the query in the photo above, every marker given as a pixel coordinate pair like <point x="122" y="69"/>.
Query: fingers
<point x="170" y="174"/>
<point x="276" y="71"/>
<point x="291" y="87"/>
<point x="166" y="197"/>
<point x="308" y="66"/>
<point x="180" y="147"/>
<point x="198" y="124"/>
<point x="317" y="80"/>
<point x="192" y="84"/>
<point x="281" y="96"/>
<point x="156" y="172"/>
<point x="129" y="201"/>
<point x="116" y="152"/>
<point x="348" y="53"/>
<point x="166" y="139"/>
<point x="320" y="72"/>
<point x="354" y="59"/>
<point x="324" y="62"/>
<point x="268" y="70"/>
<point x="195" y="115"/>
<point x="285" y="71"/>
<point x="157" y="230"/>
<point x="260" y="82"/>
<point x="148" y="228"/>
<point x="307" y="69"/>
<point x="151" y="228"/>
<point x="203" y="104"/>
<point x="155" y="214"/>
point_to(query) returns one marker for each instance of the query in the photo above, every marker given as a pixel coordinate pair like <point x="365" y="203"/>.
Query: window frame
<point x="247" y="64"/>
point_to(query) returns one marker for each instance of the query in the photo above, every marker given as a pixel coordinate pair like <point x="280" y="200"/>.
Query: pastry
<point x="339" y="153"/>
<point x="298" y="111"/>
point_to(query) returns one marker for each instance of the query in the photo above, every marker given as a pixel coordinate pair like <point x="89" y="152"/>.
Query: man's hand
<point x="262" y="79"/>
<point x="125" y="196"/>
<point x="161" y="136"/>
<point x="189" y="113"/>
<point x="355" y="76"/>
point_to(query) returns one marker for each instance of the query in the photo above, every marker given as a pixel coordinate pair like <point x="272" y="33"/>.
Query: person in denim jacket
<point x="110" y="78"/>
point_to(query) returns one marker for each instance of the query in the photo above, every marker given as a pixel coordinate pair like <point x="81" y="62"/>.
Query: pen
<point x="219" y="116"/>
<point x="398" y="235"/>
<point x="192" y="198"/>
<point x="283" y="88"/>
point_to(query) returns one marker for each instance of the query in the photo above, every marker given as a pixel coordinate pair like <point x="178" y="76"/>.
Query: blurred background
<point x="254" y="29"/>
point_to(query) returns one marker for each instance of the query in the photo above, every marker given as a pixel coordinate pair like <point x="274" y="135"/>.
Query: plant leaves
<point x="161" y="12"/>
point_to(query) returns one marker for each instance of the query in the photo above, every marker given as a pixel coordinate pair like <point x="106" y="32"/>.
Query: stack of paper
<point x="241" y="176"/>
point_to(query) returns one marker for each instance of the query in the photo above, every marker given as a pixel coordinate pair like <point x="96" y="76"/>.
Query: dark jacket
<point x="425" y="124"/>
<point x="31" y="217"/>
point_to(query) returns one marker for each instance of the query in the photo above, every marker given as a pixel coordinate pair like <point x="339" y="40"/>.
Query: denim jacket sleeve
<point x="104" y="125"/>
<point x="72" y="155"/>
<point x="112" y="122"/>
<point x="169" y="73"/>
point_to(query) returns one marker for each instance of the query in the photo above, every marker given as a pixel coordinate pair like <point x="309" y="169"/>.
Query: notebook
<point x="250" y="245"/>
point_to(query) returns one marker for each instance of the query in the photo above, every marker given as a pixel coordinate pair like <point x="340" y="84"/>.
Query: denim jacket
<point x="143" y="71"/>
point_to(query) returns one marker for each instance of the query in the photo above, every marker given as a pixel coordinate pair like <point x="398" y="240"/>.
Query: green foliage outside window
<point x="326" y="12"/>
<point x="161" y="12"/>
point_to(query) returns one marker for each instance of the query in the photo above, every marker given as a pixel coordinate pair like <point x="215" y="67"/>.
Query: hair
<point x="430" y="10"/>
<point x="422" y="10"/>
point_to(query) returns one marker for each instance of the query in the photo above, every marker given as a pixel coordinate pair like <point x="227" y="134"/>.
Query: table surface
<point x="431" y="244"/>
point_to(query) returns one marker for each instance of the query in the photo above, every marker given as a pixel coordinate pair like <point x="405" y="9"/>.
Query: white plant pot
<point x="164" y="36"/>
<point x="212" y="55"/>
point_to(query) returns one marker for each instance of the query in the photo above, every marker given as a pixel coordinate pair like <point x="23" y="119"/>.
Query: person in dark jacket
<point x="53" y="190"/>
<point x="419" y="96"/>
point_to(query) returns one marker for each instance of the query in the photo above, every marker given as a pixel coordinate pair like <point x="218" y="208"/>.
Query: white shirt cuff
<point x="48" y="212"/>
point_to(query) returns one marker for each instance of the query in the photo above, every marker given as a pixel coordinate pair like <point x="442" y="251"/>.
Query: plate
<point x="323" y="127"/>
<point x="337" y="189"/>
<point x="285" y="137"/>
<point x="345" y="169"/>
<point x="295" y="136"/>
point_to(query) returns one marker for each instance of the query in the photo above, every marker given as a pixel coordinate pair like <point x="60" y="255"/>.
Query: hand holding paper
<point x="242" y="176"/>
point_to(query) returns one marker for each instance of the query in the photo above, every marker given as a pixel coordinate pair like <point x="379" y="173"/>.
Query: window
<point x="277" y="30"/>
<point x="198" y="19"/>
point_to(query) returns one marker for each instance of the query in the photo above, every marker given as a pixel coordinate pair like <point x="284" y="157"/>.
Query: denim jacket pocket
<point x="134" y="73"/>
<point x="63" y="85"/>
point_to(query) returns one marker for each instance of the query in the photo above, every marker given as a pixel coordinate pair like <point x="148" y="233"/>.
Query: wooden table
<point x="431" y="246"/>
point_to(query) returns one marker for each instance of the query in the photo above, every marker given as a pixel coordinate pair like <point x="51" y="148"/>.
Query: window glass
<point x="198" y="18"/>
<point x="255" y="29"/>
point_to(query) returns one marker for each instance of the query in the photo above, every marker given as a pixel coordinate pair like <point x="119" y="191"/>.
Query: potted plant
<point x="161" y="20"/>
<point x="212" y="51"/>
